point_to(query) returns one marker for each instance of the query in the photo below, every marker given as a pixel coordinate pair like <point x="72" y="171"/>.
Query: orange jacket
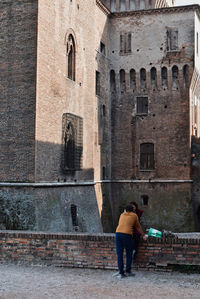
<point x="127" y="222"/>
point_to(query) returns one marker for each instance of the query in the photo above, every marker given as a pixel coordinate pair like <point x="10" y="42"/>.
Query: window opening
<point x="71" y="57"/>
<point x="103" y="173"/>
<point x="147" y="156"/>
<point x="122" y="81"/>
<point x="125" y="43"/>
<point x="175" y="81"/>
<point x="142" y="105"/>
<point x="153" y="77"/>
<point x="172" y="40"/>
<point x="186" y="75"/>
<point x="143" y="79"/>
<point x="122" y="5"/>
<point x="132" y="4"/>
<point x="164" y="78"/>
<point x="132" y="79"/>
<point x="112" y="81"/>
<point x="145" y="200"/>
<point x="97" y="83"/>
<point x="142" y="4"/>
<point x="74" y="215"/>
<point x="103" y="48"/>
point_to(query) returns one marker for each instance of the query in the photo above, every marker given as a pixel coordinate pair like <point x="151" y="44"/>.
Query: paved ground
<point x="27" y="282"/>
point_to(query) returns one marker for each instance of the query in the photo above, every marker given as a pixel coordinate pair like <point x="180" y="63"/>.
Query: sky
<point x="186" y="2"/>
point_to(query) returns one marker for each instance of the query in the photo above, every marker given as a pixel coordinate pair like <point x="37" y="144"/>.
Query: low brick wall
<point x="93" y="250"/>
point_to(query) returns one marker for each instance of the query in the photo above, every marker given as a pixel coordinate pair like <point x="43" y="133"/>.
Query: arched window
<point x="146" y="156"/>
<point x="143" y="78"/>
<point x="122" y="80"/>
<point x="71" y="57"/>
<point x="175" y="80"/>
<point x="74" y="215"/>
<point x="132" y="4"/>
<point x="132" y="79"/>
<point x="186" y="82"/>
<point x="69" y="147"/>
<point x="122" y="5"/>
<point x="153" y="75"/>
<point x="164" y="78"/>
<point x="112" y="81"/>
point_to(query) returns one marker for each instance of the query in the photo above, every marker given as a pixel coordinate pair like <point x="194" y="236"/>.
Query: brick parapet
<point x="93" y="250"/>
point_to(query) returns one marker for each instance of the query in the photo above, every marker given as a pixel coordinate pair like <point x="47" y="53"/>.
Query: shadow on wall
<point x="195" y="174"/>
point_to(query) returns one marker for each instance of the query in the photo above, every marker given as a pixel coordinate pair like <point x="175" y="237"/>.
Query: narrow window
<point x="122" y="81"/>
<point x="145" y="200"/>
<point x="164" y="78"/>
<point x="153" y="77"/>
<point x="146" y="156"/>
<point x="132" y="79"/>
<point x="74" y="215"/>
<point x="97" y="83"/>
<point x="122" y="5"/>
<point x="143" y="78"/>
<point x="175" y="80"/>
<point x="142" y="105"/>
<point x="150" y="3"/>
<point x="103" y="173"/>
<point x="172" y="40"/>
<point x="132" y="4"/>
<point x="113" y="5"/>
<point x="186" y="76"/>
<point x="142" y="4"/>
<point x="102" y="48"/>
<point x="71" y="55"/>
<point x="125" y="43"/>
<point x="69" y="147"/>
<point x="112" y="81"/>
<point x="72" y="142"/>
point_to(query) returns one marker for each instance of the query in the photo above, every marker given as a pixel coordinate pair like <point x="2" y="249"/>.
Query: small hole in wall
<point x="150" y="63"/>
<point x="78" y="6"/>
<point x="113" y="51"/>
<point x="138" y="50"/>
<point x="161" y="48"/>
<point x="185" y="165"/>
<point x="165" y="106"/>
<point x="154" y="115"/>
<point x="154" y="128"/>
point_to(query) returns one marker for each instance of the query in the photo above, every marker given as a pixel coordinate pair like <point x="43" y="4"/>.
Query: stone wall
<point x="93" y="250"/>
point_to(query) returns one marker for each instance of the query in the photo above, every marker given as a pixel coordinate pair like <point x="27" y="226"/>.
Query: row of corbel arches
<point x="169" y="78"/>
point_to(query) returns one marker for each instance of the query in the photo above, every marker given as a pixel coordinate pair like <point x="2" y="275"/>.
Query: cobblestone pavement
<point x="24" y="282"/>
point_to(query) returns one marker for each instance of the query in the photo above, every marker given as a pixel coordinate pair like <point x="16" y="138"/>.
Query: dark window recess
<point x="103" y="173"/>
<point x="186" y="82"/>
<point x="147" y="156"/>
<point x="145" y="200"/>
<point x="122" y="80"/>
<point x="112" y="81"/>
<point x="72" y="142"/>
<point x="102" y="48"/>
<point x="132" y="79"/>
<point x="98" y="83"/>
<point x="172" y="40"/>
<point x="125" y="43"/>
<point x="143" y="79"/>
<point x="74" y="215"/>
<point x="142" y="105"/>
<point x="71" y="57"/>
<point x="164" y="77"/>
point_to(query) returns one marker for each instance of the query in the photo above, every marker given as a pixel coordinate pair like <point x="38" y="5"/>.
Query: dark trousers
<point x="124" y="241"/>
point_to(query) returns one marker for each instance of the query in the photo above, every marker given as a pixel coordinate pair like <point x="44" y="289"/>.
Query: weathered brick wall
<point x="18" y="89"/>
<point x="92" y="250"/>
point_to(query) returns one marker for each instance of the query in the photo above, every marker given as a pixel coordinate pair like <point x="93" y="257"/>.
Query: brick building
<point x="99" y="106"/>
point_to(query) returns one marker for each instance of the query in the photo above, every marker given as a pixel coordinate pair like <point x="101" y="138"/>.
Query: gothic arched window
<point x="186" y="76"/>
<point x="132" y="79"/>
<point x="164" y="78"/>
<point x="143" y="78"/>
<point x="153" y="77"/>
<point x="175" y="79"/>
<point x="71" y="57"/>
<point x="112" y="81"/>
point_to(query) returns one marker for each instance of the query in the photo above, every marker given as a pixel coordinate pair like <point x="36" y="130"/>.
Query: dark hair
<point x="133" y="203"/>
<point x="129" y="208"/>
